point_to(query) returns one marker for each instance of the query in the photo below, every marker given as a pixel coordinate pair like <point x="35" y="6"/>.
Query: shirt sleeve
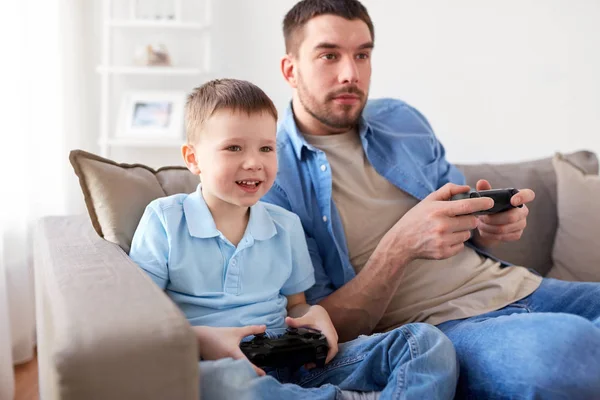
<point x="150" y="247"/>
<point x="303" y="274"/>
<point x="447" y="172"/>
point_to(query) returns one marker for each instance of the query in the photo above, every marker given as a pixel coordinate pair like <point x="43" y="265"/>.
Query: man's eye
<point x="329" y="56"/>
<point x="266" y="149"/>
<point x="362" y="56"/>
<point x="234" y="148"/>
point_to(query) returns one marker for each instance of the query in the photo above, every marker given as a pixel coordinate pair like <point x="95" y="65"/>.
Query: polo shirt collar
<point x="201" y="223"/>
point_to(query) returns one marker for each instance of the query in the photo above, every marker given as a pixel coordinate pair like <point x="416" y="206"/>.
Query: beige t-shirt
<point x="432" y="291"/>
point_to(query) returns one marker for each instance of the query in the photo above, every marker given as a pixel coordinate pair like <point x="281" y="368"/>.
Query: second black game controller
<point x="501" y="199"/>
<point x="296" y="347"/>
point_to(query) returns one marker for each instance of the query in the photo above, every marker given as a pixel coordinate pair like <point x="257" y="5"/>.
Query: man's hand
<point x="318" y="318"/>
<point x="437" y="228"/>
<point x="217" y="343"/>
<point x="506" y="226"/>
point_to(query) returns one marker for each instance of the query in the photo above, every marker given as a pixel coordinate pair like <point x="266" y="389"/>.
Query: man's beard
<point x="324" y="113"/>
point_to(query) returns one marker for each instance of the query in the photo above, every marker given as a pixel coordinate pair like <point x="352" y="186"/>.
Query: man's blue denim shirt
<point x="398" y="142"/>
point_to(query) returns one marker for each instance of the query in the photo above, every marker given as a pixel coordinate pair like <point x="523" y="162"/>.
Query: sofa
<point x="105" y="331"/>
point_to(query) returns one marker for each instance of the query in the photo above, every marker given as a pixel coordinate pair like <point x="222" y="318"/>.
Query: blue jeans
<point x="545" y="346"/>
<point x="414" y="361"/>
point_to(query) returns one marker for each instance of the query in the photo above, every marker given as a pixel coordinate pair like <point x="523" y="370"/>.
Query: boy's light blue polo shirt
<point x="214" y="283"/>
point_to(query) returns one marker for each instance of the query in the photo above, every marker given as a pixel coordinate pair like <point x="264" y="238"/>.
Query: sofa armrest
<point x="105" y="330"/>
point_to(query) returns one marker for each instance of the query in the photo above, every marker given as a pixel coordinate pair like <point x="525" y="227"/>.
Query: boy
<point x="236" y="266"/>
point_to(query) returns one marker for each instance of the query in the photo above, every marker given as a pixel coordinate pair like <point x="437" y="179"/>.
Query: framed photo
<point x="152" y="114"/>
<point x="155" y="9"/>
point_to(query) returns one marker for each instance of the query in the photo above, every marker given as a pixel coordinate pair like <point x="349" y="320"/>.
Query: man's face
<point x="333" y="69"/>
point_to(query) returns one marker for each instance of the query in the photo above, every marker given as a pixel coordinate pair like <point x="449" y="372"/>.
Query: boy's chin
<point x="248" y="201"/>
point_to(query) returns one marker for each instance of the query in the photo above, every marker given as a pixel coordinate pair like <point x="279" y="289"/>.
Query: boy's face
<point x="236" y="157"/>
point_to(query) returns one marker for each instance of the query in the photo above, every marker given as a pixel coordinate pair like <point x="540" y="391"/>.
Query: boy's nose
<point x="252" y="163"/>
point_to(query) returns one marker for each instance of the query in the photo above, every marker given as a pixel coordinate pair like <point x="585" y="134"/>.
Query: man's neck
<point x="310" y="125"/>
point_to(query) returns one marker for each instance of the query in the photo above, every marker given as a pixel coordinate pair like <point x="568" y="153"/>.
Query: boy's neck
<point x="231" y="220"/>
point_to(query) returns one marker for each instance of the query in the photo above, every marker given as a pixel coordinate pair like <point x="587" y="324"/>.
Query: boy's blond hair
<point x="233" y="94"/>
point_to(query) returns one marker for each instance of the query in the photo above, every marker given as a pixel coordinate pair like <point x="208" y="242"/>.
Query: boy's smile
<point x="250" y="186"/>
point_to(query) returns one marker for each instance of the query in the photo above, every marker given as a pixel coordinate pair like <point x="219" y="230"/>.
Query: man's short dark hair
<point x="305" y="10"/>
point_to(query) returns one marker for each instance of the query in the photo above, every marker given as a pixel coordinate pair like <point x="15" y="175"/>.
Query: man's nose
<point x="348" y="72"/>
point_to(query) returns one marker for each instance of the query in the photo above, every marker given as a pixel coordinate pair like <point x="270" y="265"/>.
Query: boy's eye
<point x="234" y="148"/>
<point x="266" y="149"/>
<point x="362" y="56"/>
<point x="329" y="56"/>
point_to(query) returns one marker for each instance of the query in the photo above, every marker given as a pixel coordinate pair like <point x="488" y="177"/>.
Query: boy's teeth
<point x="248" y="183"/>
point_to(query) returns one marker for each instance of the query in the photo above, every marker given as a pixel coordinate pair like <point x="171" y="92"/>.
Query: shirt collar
<point x="298" y="140"/>
<point x="201" y="223"/>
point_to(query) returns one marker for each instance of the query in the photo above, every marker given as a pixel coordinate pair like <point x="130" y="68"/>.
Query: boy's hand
<point x="318" y="318"/>
<point x="217" y="343"/>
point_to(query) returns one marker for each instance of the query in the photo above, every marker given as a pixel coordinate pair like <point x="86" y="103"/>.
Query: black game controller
<point x="293" y="349"/>
<point x="501" y="199"/>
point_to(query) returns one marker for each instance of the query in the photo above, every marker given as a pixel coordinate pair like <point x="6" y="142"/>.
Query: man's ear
<point x="190" y="158"/>
<point x="288" y="69"/>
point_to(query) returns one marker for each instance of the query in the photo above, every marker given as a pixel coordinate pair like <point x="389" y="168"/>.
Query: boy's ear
<point x="288" y="69"/>
<point x="190" y="158"/>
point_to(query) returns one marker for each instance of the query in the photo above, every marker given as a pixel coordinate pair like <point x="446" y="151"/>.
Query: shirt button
<point x="233" y="262"/>
<point x="323" y="167"/>
<point x="324" y="218"/>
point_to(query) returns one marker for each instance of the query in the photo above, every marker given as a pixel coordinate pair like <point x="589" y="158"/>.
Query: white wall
<point x="498" y="80"/>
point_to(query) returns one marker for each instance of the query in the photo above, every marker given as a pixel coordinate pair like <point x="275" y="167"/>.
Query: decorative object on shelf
<point x="155" y="55"/>
<point x="151" y="115"/>
<point x="145" y="43"/>
<point x="154" y="9"/>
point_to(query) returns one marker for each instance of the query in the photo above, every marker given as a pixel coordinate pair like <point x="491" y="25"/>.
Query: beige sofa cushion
<point x="576" y="250"/>
<point x="117" y="194"/>
<point x="534" y="249"/>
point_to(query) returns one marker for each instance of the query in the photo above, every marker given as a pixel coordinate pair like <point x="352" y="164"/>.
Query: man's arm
<point x="434" y="228"/>
<point x="358" y="306"/>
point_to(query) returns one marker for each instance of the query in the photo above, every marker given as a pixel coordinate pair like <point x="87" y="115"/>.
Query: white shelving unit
<point x="127" y="70"/>
<point x="190" y="24"/>
<point x="157" y="24"/>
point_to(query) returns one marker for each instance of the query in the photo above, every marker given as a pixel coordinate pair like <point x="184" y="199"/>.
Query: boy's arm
<point x="150" y="246"/>
<point x="218" y="342"/>
<point x="300" y="314"/>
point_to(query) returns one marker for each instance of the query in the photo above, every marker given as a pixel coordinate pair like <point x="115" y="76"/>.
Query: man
<point x="371" y="185"/>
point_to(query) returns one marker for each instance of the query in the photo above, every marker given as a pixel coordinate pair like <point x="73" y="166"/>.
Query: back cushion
<point x="534" y="249"/>
<point x="117" y="194"/>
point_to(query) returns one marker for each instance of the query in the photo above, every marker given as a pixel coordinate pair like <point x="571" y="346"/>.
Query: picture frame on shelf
<point x="152" y="115"/>
<point x="155" y="10"/>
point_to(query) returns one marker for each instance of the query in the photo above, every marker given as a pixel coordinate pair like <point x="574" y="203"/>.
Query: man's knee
<point x="560" y="356"/>
<point x="569" y="361"/>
